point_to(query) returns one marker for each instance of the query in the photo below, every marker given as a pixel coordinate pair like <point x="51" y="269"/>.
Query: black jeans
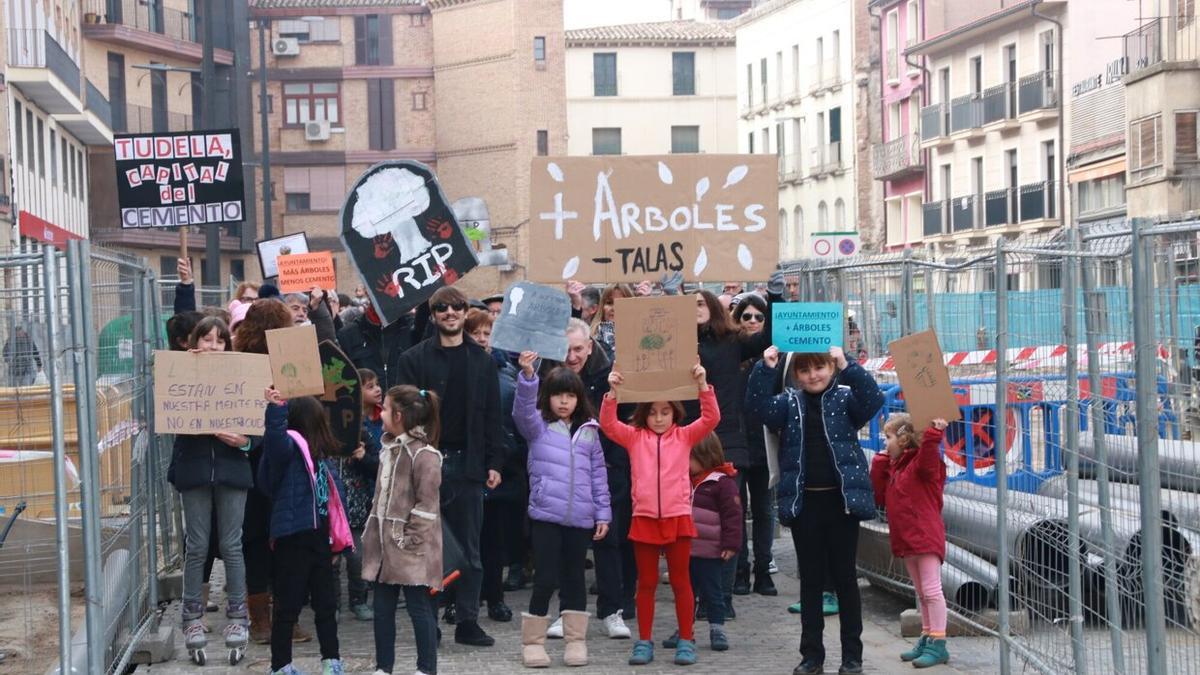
<point x="616" y="571"/>
<point x="462" y="513"/>
<point x="826" y="541"/>
<point x="756" y="498"/>
<point x="303" y="568"/>
<point x="422" y="609"/>
<point x="356" y="588"/>
<point x="707" y="576"/>
<point x="558" y="555"/>
<point x="503" y="526"/>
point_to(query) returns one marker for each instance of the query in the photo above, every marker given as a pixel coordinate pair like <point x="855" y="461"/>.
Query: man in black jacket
<point x="472" y="438"/>
<point x="369" y="344"/>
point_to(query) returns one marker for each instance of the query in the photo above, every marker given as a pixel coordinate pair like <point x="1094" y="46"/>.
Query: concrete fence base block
<point x="910" y="623"/>
<point x="156" y="647"/>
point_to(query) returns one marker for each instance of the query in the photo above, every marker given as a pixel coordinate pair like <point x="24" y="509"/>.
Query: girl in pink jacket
<point x="659" y="459"/>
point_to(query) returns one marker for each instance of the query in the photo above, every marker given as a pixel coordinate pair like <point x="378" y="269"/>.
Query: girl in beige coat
<point x="402" y="541"/>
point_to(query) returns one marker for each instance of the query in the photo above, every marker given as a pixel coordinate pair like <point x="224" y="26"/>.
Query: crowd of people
<point x="516" y="467"/>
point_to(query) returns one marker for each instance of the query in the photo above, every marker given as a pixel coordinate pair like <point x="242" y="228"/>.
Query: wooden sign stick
<point x="183" y="242"/>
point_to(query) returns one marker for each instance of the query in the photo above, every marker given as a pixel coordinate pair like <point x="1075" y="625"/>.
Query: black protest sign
<point x="534" y="318"/>
<point x="402" y="236"/>
<point x="343" y="395"/>
<point x="175" y="179"/>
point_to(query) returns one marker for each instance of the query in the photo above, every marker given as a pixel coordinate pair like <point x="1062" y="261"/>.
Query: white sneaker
<point x="555" y="631"/>
<point x="772" y="568"/>
<point x="614" y="625"/>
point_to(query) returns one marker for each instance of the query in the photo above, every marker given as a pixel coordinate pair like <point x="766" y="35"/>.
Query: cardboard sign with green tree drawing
<point x="656" y="348"/>
<point x="295" y="362"/>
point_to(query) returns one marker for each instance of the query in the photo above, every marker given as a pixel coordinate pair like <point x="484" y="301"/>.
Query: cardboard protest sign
<point x="205" y="393"/>
<point x="806" y="326"/>
<point x="175" y="179"/>
<point x="269" y="251"/>
<point x="656" y="348"/>
<point x="299" y="272"/>
<point x="924" y="379"/>
<point x="534" y="318"/>
<point x="342" y="395"/>
<point x="628" y="218"/>
<point x="402" y="236"/>
<point x="295" y="362"/>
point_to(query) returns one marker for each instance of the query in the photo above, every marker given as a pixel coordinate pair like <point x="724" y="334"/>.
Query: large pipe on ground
<point x="1179" y="461"/>
<point x="968" y="581"/>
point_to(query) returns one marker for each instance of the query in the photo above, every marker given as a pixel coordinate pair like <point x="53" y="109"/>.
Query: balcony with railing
<point x="1164" y="39"/>
<point x="999" y="103"/>
<point x="1038" y="92"/>
<point x="897" y="158"/>
<point x="966" y="112"/>
<point x="791" y="169"/>
<point x="826" y="159"/>
<point x="826" y="76"/>
<point x="935" y="123"/>
<point x="34" y="53"/>
<point x="1019" y="205"/>
<point x="152" y="27"/>
<point x="139" y="119"/>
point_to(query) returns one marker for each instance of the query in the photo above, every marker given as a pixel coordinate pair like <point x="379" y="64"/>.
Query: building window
<point x="1185" y="136"/>
<point x="1145" y="145"/>
<point x="297" y="201"/>
<point x="606" y="141"/>
<point x="237" y="269"/>
<point x="604" y="74"/>
<point x="41" y="148"/>
<point x="762" y="76"/>
<point x="685" y="139"/>
<point x="304" y="101"/>
<point x="839" y="215"/>
<point x="543" y="142"/>
<point x="822" y="217"/>
<point x="366" y="40"/>
<point x="750" y="143"/>
<point x="19" y="129"/>
<point x="683" y="73"/>
<point x="416" y="20"/>
<point x="1100" y="195"/>
<point x="316" y="188"/>
<point x="381" y="114"/>
<point x="750" y="85"/>
<point x="539" y="49"/>
<point x="1186" y="11"/>
<point x="53" y="159"/>
<point x="116" y="90"/>
<point x="66" y="178"/>
<point x="418" y="100"/>
<point x="725" y="13"/>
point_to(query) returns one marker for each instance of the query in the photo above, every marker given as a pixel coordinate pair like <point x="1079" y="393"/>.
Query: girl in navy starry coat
<point x="824" y="487"/>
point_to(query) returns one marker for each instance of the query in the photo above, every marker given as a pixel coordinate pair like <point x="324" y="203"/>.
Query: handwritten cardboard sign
<point x="299" y="272"/>
<point x="534" y="318"/>
<point x="628" y="218"/>
<point x="197" y="394"/>
<point x="295" y="362"/>
<point x="924" y="379"/>
<point x="656" y="348"/>
<point x="403" y="236"/>
<point x="806" y="326"/>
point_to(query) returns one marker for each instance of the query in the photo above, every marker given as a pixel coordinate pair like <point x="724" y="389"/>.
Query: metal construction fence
<point x="1073" y="500"/>
<point x="82" y="476"/>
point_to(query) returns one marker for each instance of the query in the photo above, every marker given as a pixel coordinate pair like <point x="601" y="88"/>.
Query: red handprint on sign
<point x="383" y="245"/>
<point x="450" y="276"/>
<point x="442" y="228"/>
<point x="386" y="286"/>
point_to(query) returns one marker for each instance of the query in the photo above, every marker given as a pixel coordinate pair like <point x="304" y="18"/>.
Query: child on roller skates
<point x="212" y="472"/>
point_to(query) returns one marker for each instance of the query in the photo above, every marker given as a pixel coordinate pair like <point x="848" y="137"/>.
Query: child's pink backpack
<point x="340" y="538"/>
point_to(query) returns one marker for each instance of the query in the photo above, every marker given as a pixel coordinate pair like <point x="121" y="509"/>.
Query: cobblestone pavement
<point x="764" y="640"/>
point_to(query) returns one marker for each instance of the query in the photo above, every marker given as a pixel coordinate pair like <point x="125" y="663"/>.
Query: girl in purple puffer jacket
<point x="568" y="502"/>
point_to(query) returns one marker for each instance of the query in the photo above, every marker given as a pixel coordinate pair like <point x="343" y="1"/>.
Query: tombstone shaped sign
<point x="403" y="237"/>
<point x="534" y="318"/>
<point x="629" y="218"/>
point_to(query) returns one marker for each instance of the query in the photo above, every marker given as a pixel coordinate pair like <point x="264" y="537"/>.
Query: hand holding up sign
<point x="273" y="396"/>
<point x="526" y="361"/>
<point x="771" y="356"/>
<point x="575" y="290"/>
<point x="615" y="380"/>
<point x="700" y="375"/>
<point x="839" y="357"/>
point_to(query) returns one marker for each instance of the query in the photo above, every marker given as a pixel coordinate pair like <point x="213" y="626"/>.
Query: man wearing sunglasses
<point x="472" y="441"/>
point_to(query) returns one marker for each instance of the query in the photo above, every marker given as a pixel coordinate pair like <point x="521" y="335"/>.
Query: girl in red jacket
<point x="659" y="459"/>
<point x="908" y="481"/>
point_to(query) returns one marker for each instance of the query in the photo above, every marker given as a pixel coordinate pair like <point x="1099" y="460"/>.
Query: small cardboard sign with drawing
<point x="807" y="327"/>
<point x="534" y="318"/>
<point x="656" y="348"/>
<point x="924" y="379"/>
<point x="299" y="272"/>
<point x="295" y="361"/>
<point x="197" y="394"/>
<point x="629" y="218"/>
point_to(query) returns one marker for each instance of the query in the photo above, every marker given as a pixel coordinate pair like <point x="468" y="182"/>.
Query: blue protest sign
<point x="806" y="326"/>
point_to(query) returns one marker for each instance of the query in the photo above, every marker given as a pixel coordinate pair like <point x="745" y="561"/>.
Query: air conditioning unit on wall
<point x="316" y="130"/>
<point x="285" y="46"/>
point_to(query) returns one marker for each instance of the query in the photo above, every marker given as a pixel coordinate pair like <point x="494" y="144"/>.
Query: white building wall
<point x="644" y="107"/>
<point x="788" y="32"/>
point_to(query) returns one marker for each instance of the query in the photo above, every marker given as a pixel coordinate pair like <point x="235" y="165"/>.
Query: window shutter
<point x="1185" y="136"/>
<point x="295" y="179"/>
<point x="385" y="39"/>
<point x="360" y="40"/>
<point x="374" y="123"/>
<point x="387" y="114"/>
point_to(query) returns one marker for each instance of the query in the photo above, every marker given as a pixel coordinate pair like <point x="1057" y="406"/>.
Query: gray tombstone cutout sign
<point x="534" y="318"/>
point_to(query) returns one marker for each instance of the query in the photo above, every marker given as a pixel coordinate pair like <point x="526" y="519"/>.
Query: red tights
<point x="678" y="558"/>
